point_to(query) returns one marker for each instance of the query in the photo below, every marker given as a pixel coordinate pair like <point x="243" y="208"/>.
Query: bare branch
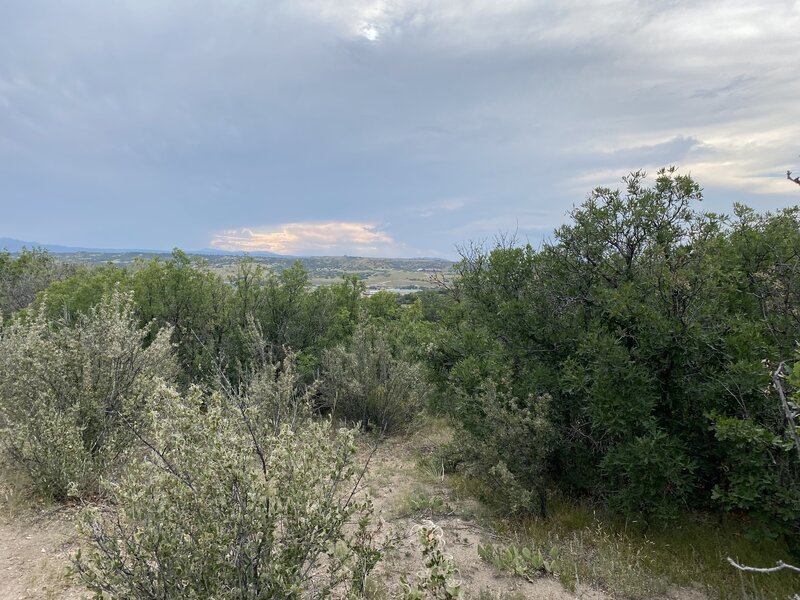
<point x="791" y="426"/>
<point x="779" y="566"/>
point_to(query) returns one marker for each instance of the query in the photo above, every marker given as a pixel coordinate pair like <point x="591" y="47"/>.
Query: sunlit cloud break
<point x="332" y="237"/>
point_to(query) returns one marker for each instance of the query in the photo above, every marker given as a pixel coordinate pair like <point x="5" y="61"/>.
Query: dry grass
<point x="632" y="562"/>
<point x="629" y="561"/>
<point x="625" y="559"/>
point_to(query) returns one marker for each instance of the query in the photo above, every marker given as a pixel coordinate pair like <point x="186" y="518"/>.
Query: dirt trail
<point x="402" y="495"/>
<point x="34" y="555"/>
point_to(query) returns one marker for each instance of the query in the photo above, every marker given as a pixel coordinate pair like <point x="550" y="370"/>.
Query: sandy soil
<point x="393" y="478"/>
<point x="34" y="555"/>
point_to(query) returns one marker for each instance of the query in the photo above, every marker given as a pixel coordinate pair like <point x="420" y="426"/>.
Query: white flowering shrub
<point x="73" y="396"/>
<point x="227" y="506"/>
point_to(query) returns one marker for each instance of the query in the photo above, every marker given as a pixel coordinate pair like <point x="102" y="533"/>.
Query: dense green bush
<point x="763" y="477"/>
<point x="239" y="497"/>
<point x="650" y="476"/>
<point x="73" y="397"/>
<point x="366" y="383"/>
<point x="646" y="320"/>
<point x="507" y="448"/>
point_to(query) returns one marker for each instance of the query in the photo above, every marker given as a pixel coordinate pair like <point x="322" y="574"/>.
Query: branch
<point x="777" y="379"/>
<point x="779" y="566"/>
<point x="790" y="178"/>
<point x="168" y="465"/>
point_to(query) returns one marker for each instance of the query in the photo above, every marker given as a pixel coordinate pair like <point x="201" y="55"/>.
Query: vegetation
<point x="25" y="275"/>
<point x="613" y="394"/>
<point x="646" y="322"/>
<point x="521" y="561"/>
<point x="366" y="384"/>
<point x="438" y="580"/>
<point x="393" y="273"/>
<point x="235" y="500"/>
<point x="74" y="396"/>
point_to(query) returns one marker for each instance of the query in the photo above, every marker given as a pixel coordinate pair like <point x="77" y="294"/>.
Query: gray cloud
<point x="147" y="123"/>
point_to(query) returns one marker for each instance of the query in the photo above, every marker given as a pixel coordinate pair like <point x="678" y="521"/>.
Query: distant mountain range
<point x="14" y="246"/>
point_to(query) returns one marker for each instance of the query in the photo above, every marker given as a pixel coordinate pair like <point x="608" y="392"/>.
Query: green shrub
<point x="649" y="476"/>
<point x="764" y="457"/>
<point x="509" y="450"/>
<point x="521" y="561"/>
<point x="365" y="383"/>
<point x="73" y="398"/>
<point x="438" y="580"/>
<point x="228" y="506"/>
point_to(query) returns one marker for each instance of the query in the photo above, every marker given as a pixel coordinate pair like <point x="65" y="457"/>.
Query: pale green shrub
<point x="366" y="383"/>
<point x="521" y="561"/>
<point x="227" y="507"/>
<point x="72" y="397"/>
<point x="438" y="580"/>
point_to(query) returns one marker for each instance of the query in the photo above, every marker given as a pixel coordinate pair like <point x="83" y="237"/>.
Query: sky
<point x="378" y="127"/>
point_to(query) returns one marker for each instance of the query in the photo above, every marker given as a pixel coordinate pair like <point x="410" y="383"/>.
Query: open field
<point x="381" y="273"/>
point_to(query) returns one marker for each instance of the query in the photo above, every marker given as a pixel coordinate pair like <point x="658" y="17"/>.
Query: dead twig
<point x="791" y="426"/>
<point x="779" y="566"/>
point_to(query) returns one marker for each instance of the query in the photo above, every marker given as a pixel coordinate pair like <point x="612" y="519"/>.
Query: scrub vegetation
<point x="615" y="411"/>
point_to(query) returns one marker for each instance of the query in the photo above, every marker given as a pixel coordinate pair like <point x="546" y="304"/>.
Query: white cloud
<point x="370" y="32"/>
<point x="334" y="237"/>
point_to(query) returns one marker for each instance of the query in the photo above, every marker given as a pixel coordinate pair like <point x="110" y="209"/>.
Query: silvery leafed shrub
<point x="237" y="498"/>
<point x="73" y="395"/>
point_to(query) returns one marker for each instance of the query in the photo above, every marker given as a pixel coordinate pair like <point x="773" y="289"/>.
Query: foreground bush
<point x="73" y="397"/>
<point x="365" y="383"/>
<point x="240" y="497"/>
<point x="508" y="448"/>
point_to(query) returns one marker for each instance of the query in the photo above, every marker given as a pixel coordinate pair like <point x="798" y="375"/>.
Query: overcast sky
<point x="379" y="128"/>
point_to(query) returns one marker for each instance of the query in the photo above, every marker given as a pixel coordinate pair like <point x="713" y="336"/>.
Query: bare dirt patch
<point x="34" y="555"/>
<point x="404" y="497"/>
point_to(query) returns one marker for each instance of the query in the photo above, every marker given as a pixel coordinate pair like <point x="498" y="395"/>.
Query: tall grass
<point x="628" y="559"/>
<point x="632" y="561"/>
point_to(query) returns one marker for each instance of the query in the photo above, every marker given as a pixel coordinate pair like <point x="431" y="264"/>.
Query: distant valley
<point x="399" y="274"/>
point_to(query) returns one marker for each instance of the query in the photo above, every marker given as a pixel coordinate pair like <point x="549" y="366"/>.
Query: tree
<point x="192" y="301"/>
<point x="24" y="276"/>
<point x="646" y="321"/>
